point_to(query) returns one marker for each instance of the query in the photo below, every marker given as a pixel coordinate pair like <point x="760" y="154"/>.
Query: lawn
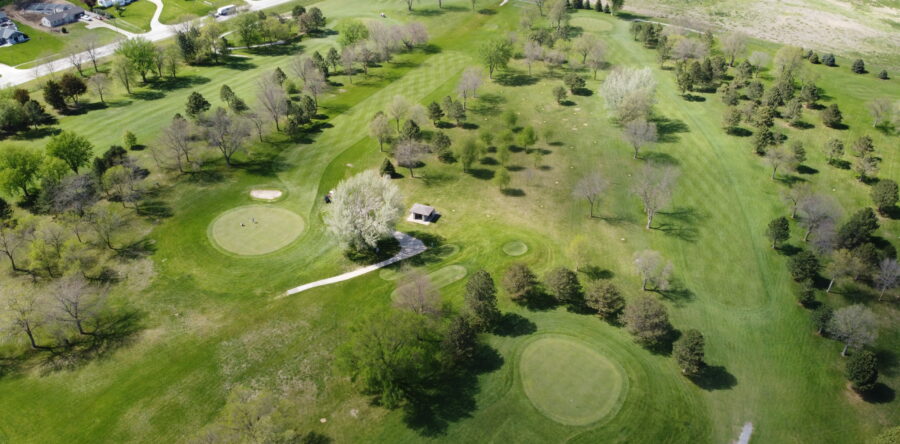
<point x="134" y="18"/>
<point x="211" y="320"/>
<point x="45" y="45"/>
<point x="175" y="10"/>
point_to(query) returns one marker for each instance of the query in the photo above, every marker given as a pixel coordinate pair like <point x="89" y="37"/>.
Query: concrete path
<point x="409" y="247"/>
<point x="746" y="431"/>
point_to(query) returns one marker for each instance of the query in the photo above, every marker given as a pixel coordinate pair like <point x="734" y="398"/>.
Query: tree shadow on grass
<point x="678" y="294"/>
<point x="669" y="128"/>
<point x="138" y="249"/>
<point x="481" y="173"/>
<point x="680" y="223"/>
<point x="660" y="158"/>
<point x="803" y="169"/>
<point x="450" y="397"/>
<point x="514" y="324"/>
<point x="887" y="362"/>
<point x="487" y="104"/>
<point x="513" y="192"/>
<point x="714" y="377"/>
<point x="113" y="331"/>
<point x="881" y="394"/>
<point x="514" y="77"/>
<point x="147" y="95"/>
<point x="155" y="209"/>
<point x="170" y="84"/>
<point x="739" y="132"/>
<point x="38" y="133"/>
<point x="594" y="272"/>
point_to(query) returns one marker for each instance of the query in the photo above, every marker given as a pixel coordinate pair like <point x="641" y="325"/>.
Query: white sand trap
<point x="265" y="194"/>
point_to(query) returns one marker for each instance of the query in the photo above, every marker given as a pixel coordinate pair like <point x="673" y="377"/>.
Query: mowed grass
<point x="135" y="17"/>
<point x="48" y="46"/>
<point x="175" y="10"/>
<point x="211" y="320"/>
<point x="255" y="229"/>
<point x="570" y="382"/>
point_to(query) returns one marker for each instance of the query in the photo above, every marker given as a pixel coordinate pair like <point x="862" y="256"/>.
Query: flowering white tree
<point x="629" y="93"/>
<point x="364" y="210"/>
<point x="655" y="271"/>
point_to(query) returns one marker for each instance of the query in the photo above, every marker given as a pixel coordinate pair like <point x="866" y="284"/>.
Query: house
<point x="70" y="15"/>
<point x="4" y="18"/>
<point x="11" y="36"/>
<point x="226" y="10"/>
<point x="422" y="214"/>
<point x="109" y="3"/>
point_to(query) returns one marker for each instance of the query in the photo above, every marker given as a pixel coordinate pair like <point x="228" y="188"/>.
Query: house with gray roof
<point x="69" y="15"/>
<point x="11" y="36"/>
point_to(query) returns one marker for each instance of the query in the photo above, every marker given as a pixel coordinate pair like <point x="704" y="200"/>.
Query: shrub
<point x="807" y="293"/>
<point x="832" y="116"/>
<point x="689" y="353"/>
<point x="828" y="60"/>
<point x="883" y="75"/>
<point x="884" y="195"/>
<point x="859" y="67"/>
<point x="862" y="370"/>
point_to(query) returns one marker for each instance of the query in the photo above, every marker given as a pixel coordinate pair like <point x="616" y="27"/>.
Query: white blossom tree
<point x="655" y="271"/>
<point x="629" y="93"/>
<point x="364" y="209"/>
<point x="855" y="326"/>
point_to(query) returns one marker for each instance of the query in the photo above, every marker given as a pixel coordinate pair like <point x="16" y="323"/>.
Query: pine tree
<point x="859" y="67"/>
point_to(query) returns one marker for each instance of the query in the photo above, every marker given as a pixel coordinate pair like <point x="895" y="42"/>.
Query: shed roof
<point x="421" y="209"/>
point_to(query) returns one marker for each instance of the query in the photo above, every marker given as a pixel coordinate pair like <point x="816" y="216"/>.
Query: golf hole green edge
<point x="281" y="228"/>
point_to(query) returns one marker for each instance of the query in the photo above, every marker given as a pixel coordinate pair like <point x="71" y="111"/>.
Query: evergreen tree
<point x="481" y="301"/>
<point x="828" y="60"/>
<point x="689" y="352"/>
<point x="832" y="116"/>
<point x="859" y="67"/>
<point x="883" y="75"/>
<point x="779" y="230"/>
<point x="387" y="169"/>
<point x="53" y="95"/>
<point x="862" y="370"/>
<point x="804" y="265"/>
<point x="196" y="105"/>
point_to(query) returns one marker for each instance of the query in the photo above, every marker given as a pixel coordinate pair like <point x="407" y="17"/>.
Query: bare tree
<point x="688" y="48"/>
<point x="597" y="58"/>
<point x="654" y="270"/>
<point x="843" y="264"/>
<point x="778" y="157"/>
<point x="585" y="44"/>
<point x="888" y="276"/>
<point x="540" y="5"/>
<point x="272" y="97"/>
<point x="417" y="294"/>
<point x="13" y="237"/>
<point x="629" y="92"/>
<point x="408" y="154"/>
<point x="176" y="141"/>
<point x="654" y="187"/>
<point x="855" y="326"/>
<point x="107" y="224"/>
<point x="640" y="133"/>
<point x="91" y="44"/>
<point x="75" y="59"/>
<point x="397" y="109"/>
<point x="881" y="110"/>
<point x="315" y="85"/>
<point x="795" y="195"/>
<point x="817" y="210"/>
<point x="733" y="45"/>
<point x="99" y="83"/>
<point x="534" y="52"/>
<point x="469" y="83"/>
<point x="380" y="129"/>
<point x="226" y="133"/>
<point x="590" y="187"/>
<point x="413" y="34"/>
<point x="79" y="303"/>
<point x="348" y="58"/>
<point x="27" y="314"/>
<point x="758" y="60"/>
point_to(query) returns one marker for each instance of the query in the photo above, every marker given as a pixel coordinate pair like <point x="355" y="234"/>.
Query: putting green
<point x="515" y="248"/>
<point x="569" y="382"/>
<point x="274" y="228"/>
<point x="442" y="277"/>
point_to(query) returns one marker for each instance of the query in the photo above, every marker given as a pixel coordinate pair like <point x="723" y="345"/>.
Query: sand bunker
<point x="265" y="194"/>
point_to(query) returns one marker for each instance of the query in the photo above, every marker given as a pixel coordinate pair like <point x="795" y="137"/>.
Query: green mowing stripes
<point x="255" y="229"/>
<point x="569" y="382"/>
<point x="515" y="248"/>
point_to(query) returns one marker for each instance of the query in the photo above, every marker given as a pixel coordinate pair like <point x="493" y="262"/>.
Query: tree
<point x="387" y="169"/>
<point x="832" y="116"/>
<point x="435" y="113"/>
<point x="416" y="293"/>
<point x="272" y="97"/>
<point x="235" y="103"/>
<point x="519" y="281"/>
<point x="888" y="276"/>
<point x="883" y="75"/>
<point x="364" y="210"/>
<point x="408" y="154"/>
<point x="804" y="265"/>
<point x="733" y="45"/>
<point x="398" y="109"/>
<point x="654" y="187"/>
<point x="859" y="67"/>
<point x="862" y="371"/>
<point x="779" y="230"/>
<point x="72" y="87"/>
<point x="560" y="94"/>
<point x="196" y="105"/>
<point x="351" y="32"/>
<point x="502" y="178"/>
<point x="559" y="15"/>
<point x="6" y="211"/>
<point x="858" y="229"/>
<point x="574" y="82"/>
<point x="19" y="169"/>
<point x="834" y="149"/>
<point x="884" y="195"/>
<point x="865" y="167"/>
<point x="863" y="147"/>
<point x="99" y="83"/>
<point x="533" y="52"/>
<point x="53" y="95"/>
<point x="842" y="264"/>
<point x="854" y="325"/>
<point x="106" y="223"/>
<point x="468" y="153"/>
<point x="481" y="301"/>
<point x="689" y="353"/>
<point x="788" y="60"/>
<point x="809" y="94"/>
<point x="817" y="210"/>
<point x="655" y="271"/>
<point x="629" y="92"/>
<point x="27" y="313"/>
<point x="468" y="84"/>
<point x="129" y="140"/>
<point x="380" y="129"/>
<point x="881" y="110"/>
<point x="563" y="285"/>
<point x="495" y="54"/>
<point x="457" y="112"/>
<point x="640" y="133"/>
<point x="393" y="357"/>
<point x="139" y="53"/>
<point x="460" y="342"/>
<point x="606" y="299"/>
<point x="590" y="187"/>
<point x="71" y="148"/>
<point x="226" y="133"/>
<point x="647" y="319"/>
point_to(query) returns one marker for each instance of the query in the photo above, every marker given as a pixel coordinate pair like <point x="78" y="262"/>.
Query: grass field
<point x="210" y="319"/>
<point x="46" y="45"/>
<point x="255" y="229"/>
<point x="175" y="10"/>
<point x="135" y="18"/>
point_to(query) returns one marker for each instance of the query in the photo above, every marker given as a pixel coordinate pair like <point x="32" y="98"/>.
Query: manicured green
<point x="569" y="382"/>
<point x="515" y="248"/>
<point x="255" y="229"/>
